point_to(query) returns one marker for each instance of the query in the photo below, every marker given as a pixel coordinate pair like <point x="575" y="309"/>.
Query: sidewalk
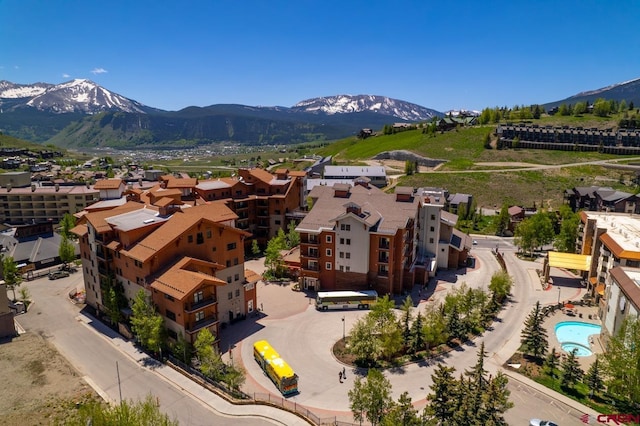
<point x="206" y="397"/>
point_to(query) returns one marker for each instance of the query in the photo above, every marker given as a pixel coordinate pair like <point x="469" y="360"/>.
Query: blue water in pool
<point x="575" y="335"/>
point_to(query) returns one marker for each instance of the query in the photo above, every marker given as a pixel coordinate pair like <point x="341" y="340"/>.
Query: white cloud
<point x="65" y="75"/>
<point x="99" y="71"/>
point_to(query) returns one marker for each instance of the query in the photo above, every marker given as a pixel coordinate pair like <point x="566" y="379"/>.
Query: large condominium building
<point x="189" y="260"/>
<point x="612" y="240"/>
<point x="358" y="238"/>
<point x="24" y="202"/>
<point x="264" y="202"/>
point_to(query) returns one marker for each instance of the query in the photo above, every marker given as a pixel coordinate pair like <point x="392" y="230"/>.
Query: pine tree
<point x="534" y="336"/>
<point x="370" y="399"/>
<point x="571" y="371"/>
<point x="551" y="362"/>
<point x="593" y="378"/>
<point x="455" y="325"/>
<point x="495" y="401"/>
<point x="442" y="401"/>
<point x="406" y="321"/>
<point x="417" y="340"/>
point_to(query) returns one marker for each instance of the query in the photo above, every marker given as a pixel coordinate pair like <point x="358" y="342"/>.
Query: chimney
<point x="8" y="187"/>
<point x="57" y="187"/>
<point x="33" y="187"/>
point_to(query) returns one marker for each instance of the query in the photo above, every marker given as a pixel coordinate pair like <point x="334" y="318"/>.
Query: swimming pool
<point x="575" y="335"/>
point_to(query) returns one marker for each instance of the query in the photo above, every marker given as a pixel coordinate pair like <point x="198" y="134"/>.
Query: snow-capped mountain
<point x="343" y="104"/>
<point x="78" y="95"/>
<point x="629" y="91"/>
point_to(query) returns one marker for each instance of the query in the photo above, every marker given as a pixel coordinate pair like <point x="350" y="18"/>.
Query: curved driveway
<point x="304" y="339"/>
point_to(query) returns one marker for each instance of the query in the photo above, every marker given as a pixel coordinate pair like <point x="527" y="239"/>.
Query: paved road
<point x="95" y="356"/>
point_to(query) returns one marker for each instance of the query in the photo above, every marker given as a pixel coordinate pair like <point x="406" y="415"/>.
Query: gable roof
<point x="113" y="183"/>
<point x="179" y="283"/>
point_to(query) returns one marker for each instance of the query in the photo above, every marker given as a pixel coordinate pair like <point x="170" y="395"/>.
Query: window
<point x="341" y="255"/>
<point x="169" y="314"/>
<point x="229" y="279"/>
<point x="328" y="238"/>
<point x="348" y="255"/>
<point x="348" y="241"/>
<point x="328" y="252"/>
<point x="172" y="334"/>
<point x="341" y="240"/>
<point x="208" y="233"/>
<point x="277" y="222"/>
<point x="231" y="246"/>
<point x="345" y="227"/>
<point x="199" y="316"/>
<point x="228" y="263"/>
<point x="348" y="268"/>
<point x="433" y="217"/>
<point x="341" y="268"/>
<point x="431" y="240"/>
<point x="237" y="292"/>
<point x="199" y="238"/>
<point x="190" y="238"/>
<point x="230" y="295"/>
<point x="166" y="296"/>
<point x="235" y="260"/>
<point x="433" y="229"/>
<point x="237" y="277"/>
<point x="327" y="266"/>
<point x="198" y="296"/>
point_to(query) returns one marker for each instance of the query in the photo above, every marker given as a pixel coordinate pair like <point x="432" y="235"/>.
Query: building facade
<point x="189" y="261"/>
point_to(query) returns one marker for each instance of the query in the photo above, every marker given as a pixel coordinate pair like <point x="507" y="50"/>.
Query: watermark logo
<point x="586" y="419"/>
<point x="611" y="419"/>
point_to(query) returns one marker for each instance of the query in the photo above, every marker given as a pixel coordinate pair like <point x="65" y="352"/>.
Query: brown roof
<point x="251" y="276"/>
<point x="374" y="205"/>
<point x="79" y="230"/>
<point x="167" y="201"/>
<point x="261" y="174"/>
<point x="182" y="183"/>
<point x="179" y="283"/>
<point x="113" y="183"/>
<point x="178" y="224"/>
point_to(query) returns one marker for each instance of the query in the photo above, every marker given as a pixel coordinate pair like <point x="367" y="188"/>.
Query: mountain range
<point x="80" y="113"/>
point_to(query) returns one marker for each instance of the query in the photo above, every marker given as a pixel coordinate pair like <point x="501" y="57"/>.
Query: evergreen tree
<point x="445" y="394"/>
<point x="68" y="221"/>
<point x="534" y="335"/>
<point x="571" y="371"/>
<point x="402" y="413"/>
<point x="495" y="401"/>
<point x="455" y="327"/>
<point x="593" y="378"/>
<point x="127" y="413"/>
<point x="406" y="320"/>
<point x="502" y="223"/>
<point x="551" y="362"/>
<point x="292" y="236"/>
<point x="255" y="249"/>
<point x="417" y="339"/>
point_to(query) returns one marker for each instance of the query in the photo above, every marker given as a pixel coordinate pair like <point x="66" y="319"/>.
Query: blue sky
<point x="438" y="54"/>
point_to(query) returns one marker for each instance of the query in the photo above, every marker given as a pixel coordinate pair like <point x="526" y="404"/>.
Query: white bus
<point x="345" y="299"/>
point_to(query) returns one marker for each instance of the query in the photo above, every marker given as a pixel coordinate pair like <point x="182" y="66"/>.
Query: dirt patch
<point x="38" y="385"/>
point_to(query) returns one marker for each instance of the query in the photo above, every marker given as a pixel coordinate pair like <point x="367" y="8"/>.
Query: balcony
<point x="384" y="244"/>
<point x="311" y="253"/>
<point x="194" y="327"/>
<point x="383" y="259"/>
<point x="311" y="239"/>
<point x="311" y="268"/>
<point x="263" y="213"/>
<point x="196" y="306"/>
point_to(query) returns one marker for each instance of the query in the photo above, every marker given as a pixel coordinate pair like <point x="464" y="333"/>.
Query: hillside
<point x="492" y="176"/>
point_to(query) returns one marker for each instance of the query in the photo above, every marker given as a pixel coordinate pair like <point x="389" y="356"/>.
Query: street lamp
<point x="559" y="295"/>
<point x="343" y="333"/>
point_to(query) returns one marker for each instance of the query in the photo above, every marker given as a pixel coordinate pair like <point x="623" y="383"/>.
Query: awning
<point x="578" y="262"/>
<point x="569" y="306"/>
<point x="593" y="280"/>
<point x="600" y="289"/>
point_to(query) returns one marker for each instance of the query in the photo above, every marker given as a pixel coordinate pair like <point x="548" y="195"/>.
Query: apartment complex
<point x="24" y="202"/>
<point x="606" y="199"/>
<point x="623" y="296"/>
<point x="188" y="259"/>
<point x="264" y="202"/>
<point x="358" y="237"/>
<point x="612" y="240"/>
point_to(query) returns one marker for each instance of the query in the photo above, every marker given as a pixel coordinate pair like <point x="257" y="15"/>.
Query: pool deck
<point x="559" y="316"/>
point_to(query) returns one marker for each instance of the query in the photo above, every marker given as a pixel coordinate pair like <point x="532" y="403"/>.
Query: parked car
<point x="475" y="243"/>
<point x="538" y="422"/>
<point x="58" y="274"/>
